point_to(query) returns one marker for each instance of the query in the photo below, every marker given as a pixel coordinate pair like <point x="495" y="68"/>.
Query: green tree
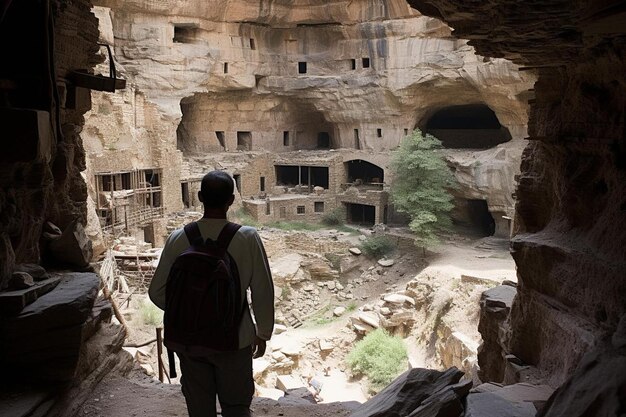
<point x="421" y="185"/>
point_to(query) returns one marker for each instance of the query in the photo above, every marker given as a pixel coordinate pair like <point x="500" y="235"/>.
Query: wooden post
<point x="160" y="351"/>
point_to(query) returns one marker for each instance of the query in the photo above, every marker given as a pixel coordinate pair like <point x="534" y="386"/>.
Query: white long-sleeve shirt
<point x="248" y="252"/>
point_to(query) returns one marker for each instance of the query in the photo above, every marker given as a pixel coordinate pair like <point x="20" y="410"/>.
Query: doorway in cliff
<point x="474" y="216"/>
<point x="361" y="214"/>
<point x="471" y="126"/>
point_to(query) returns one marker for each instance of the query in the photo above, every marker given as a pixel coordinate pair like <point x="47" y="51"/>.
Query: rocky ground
<point x="327" y="298"/>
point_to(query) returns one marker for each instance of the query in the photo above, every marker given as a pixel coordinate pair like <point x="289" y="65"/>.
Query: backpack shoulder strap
<point x="227" y="234"/>
<point x="192" y="230"/>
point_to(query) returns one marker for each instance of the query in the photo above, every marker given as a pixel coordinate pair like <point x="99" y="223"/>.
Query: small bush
<point x="241" y="216"/>
<point x="150" y="314"/>
<point x="377" y="246"/>
<point x="379" y="356"/>
<point x="335" y="217"/>
<point x="352" y="306"/>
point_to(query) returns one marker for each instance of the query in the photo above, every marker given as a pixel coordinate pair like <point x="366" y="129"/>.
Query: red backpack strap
<point x="227" y="234"/>
<point x="192" y="230"/>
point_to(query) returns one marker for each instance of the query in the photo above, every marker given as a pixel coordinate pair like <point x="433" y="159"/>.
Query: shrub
<point x="334" y="259"/>
<point x="379" y="356"/>
<point x="377" y="246"/>
<point x="150" y="314"/>
<point x="335" y="217"/>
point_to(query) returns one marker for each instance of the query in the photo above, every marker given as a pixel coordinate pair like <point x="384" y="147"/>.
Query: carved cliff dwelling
<point x="304" y="103"/>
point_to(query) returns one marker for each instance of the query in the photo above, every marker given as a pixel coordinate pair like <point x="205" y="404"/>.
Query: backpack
<point x="203" y="302"/>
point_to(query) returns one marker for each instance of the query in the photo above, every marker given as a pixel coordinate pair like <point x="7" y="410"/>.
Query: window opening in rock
<point x="366" y="62"/>
<point x="353" y="64"/>
<point x="406" y="132"/>
<point x="225" y="67"/>
<point x="473" y="126"/>
<point x="268" y="209"/>
<point x="318" y="206"/>
<point x="244" y="141"/>
<point x="475" y="216"/>
<point x="185" y="33"/>
<point x="184" y="188"/>
<point x="300" y="210"/>
<point x="252" y="44"/>
<point x="301" y="67"/>
<point x="379" y="133"/>
<point x="285" y="138"/>
<point x="237" y="178"/>
<point x="361" y="214"/>
<point x="357" y="142"/>
<point x="323" y="140"/>
<point x="262" y="184"/>
<point x="305" y="178"/>
<point x="363" y="173"/>
<point x="220" y="138"/>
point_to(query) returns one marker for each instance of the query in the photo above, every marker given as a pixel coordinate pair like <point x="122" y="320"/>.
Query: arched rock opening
<point x="364" y="172"/>
<point x="474" y="215"/>
<point x="473" y="126"/>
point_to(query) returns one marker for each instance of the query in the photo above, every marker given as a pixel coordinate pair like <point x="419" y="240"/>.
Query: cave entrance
<point x="475" y="215"/>
<point x="309" y="176"/>
<point x="361" y="214"/>
<point x="473" y="126"/>
<point x="363" y="172"/>
<point x="244" y="141"/>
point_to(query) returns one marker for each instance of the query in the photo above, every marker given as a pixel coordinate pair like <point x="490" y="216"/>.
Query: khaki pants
<point x="227" y="374"/>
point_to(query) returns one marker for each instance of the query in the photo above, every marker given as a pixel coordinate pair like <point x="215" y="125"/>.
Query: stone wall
<point x="570" y="218"/>
<point x="40" y="172"/>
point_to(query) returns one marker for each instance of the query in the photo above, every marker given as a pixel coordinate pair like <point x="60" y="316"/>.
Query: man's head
<point x="216" y="190"/>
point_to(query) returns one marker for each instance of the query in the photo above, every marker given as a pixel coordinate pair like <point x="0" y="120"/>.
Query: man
<point x="227" y="374"/>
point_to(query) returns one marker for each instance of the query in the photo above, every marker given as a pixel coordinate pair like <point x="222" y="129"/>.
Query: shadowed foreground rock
<point x="419" y="393"/>
<point x="598" y="386"/>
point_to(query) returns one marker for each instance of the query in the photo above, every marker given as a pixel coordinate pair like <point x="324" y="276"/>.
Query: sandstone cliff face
<point x="570" y="235"/>
<point x="361" y="74"/>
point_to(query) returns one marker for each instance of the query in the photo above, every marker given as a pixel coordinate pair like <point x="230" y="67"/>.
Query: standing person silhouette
<point x="225" y="373"/>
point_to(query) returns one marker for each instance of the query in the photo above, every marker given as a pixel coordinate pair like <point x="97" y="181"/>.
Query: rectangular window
<point x="406" y="132"/>
<point x="301" y="67"/>
<point x="283" y="212"/>
<point x="353" y="64"/>
<point x="318" y="207"/>
<point x="268" y="209"/>
<point x="244" y="141"/>
<point x="285" y="138"/>
<point x="220" y="138"/>
<point x="184" y="33"/>
<point x="262" y="184"/>
<point x="379" y="133"/>
<point x="225" y="67"/>
<point x="357" y="142"/>
<point x="366" y="62"/>
<point x="300" y="210"/>
<point x="252" y="44"/>
<point x="237" y="178"/>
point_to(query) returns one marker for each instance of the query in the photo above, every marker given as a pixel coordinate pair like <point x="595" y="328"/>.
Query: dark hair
<point x="217" y="189"/>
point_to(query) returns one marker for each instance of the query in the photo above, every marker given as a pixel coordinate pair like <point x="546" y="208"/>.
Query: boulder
<point x="411" y="390"/>
<point x="326" y="345"/>
<point x="288" y="382"/>
<point x="279" y="328"/>
<point x="338" y="311"/>
<point x="369" y="319"/>
<point x="285" y="268"/>
<point x="489" y="404"/>
<point x="73" y="247"/>
<point x="386" y="262"/>
<point x="355" y="251"/>
<point x="398" y="299"/>
<point x="445" y="403"/>
<point x="20" y="281"/>
<point x="43" y="342"/>
<point x="36" y="271"/>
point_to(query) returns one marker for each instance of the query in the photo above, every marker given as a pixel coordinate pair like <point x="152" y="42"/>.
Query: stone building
<point x="314" y="92"/>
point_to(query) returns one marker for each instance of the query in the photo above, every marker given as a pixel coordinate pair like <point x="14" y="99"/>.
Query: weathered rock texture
<point x="571" y="217"/>
<point x="42" y="154"/>
<point x="216" y="77"/>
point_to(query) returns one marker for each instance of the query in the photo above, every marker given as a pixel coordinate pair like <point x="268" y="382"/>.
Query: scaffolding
<point x="128" y="199"/>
